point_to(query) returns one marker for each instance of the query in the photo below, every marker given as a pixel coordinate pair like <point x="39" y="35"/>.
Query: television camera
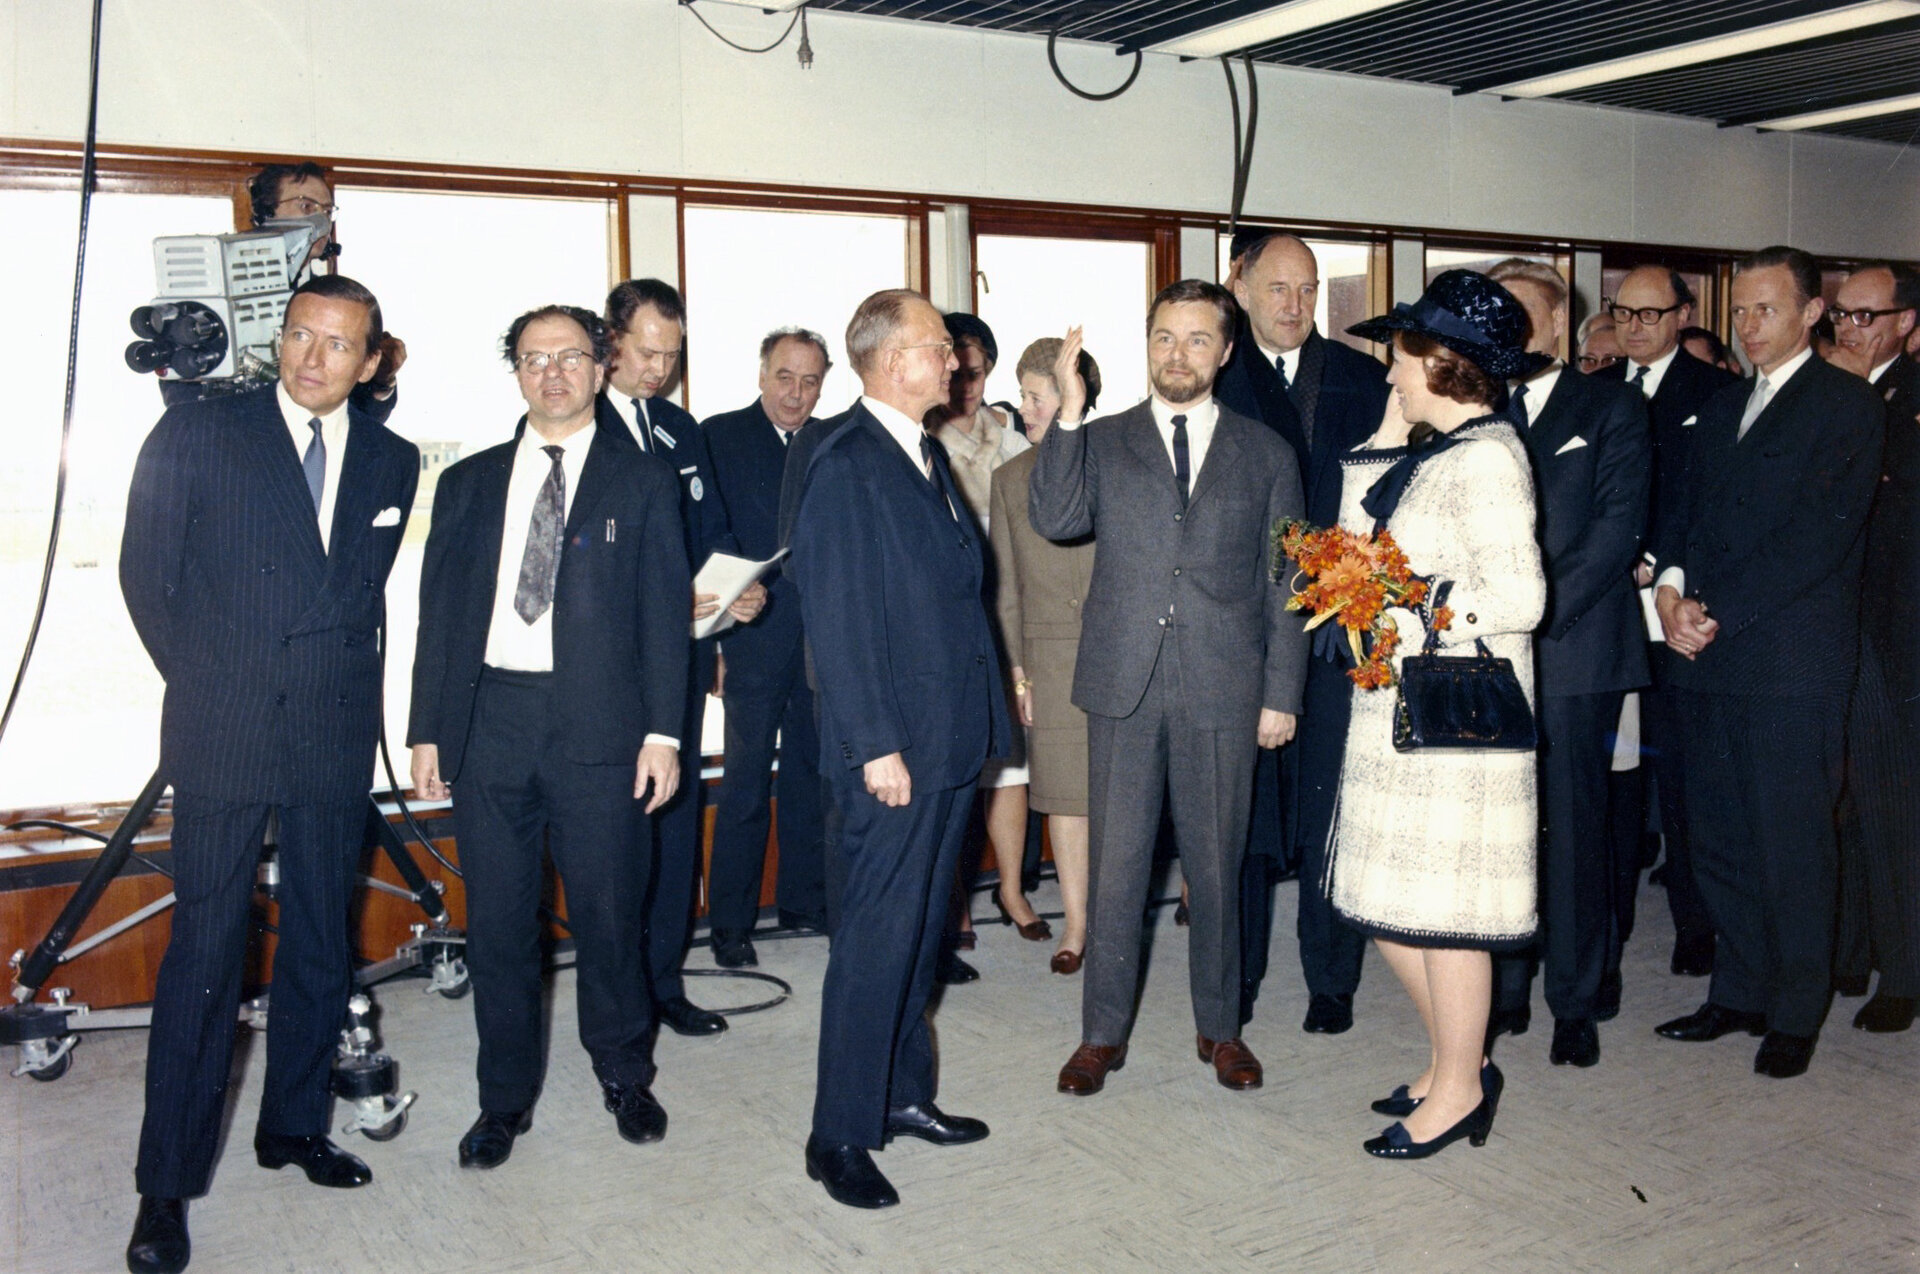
<point x="220" y="302"/>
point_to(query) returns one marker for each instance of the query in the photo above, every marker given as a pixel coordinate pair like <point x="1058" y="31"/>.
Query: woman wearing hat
<point x="1433" y="850"/>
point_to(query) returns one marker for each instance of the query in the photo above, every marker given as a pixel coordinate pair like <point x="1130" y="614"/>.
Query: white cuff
<point x="1674" y="578"/>
<point x="661" y="738"/>
<point x="1068" y="425"/>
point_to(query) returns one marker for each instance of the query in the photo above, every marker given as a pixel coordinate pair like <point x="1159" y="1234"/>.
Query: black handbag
<point x="1469" y="703"/>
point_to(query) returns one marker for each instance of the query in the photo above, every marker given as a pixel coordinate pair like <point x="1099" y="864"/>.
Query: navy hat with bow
<point x="1471" y="315"/>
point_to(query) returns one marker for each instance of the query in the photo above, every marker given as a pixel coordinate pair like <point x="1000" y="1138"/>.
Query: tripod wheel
<point x="387" y="1132"/>
<point x="55" y="1071"/>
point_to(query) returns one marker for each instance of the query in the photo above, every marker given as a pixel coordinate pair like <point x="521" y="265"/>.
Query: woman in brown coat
<point x="1041" y="588"/>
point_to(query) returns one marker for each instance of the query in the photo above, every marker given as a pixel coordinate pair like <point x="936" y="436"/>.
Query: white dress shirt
<point x="1656" y="371"/>
<point x="1675" y="577"/>
<point x="1539" y="389"/>
<point x="1290" y="360"/>
<point x="903" y="429"/>
<point x="639" y="422"/>
<point x="1201" y="418"/>
<point x="333" y="435"/>
<point x="1878" y="372"/>
<point x="511" y="641"/>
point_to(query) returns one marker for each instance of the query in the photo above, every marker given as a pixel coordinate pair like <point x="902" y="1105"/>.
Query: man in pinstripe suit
<point x="260" y="530"/>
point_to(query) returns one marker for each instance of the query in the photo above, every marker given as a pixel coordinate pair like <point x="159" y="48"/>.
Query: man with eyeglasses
<point x="1598" y="341"/>
<point x="890" y="571"/>
<point x="1759" y="593"/>
<point x="646" y="320"/>
<point x="1653" y="306"/>
<point x="1873" y="315"/>
<point x="549" y="689"/>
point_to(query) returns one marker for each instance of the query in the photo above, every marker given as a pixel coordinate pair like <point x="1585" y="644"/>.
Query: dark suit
<point x="1879" y="867"/>
<point x="1183" y="642"/>
<point x="1591" y="456"/>
<point x="266" y="640"/>
<point x="1684" y="390"/>
<point x="1771" y="537"/>
<point x="676" y="439"/>
<point x="766" y="694"/>
<point x="1319" y="420"/>
<point x="890" y="563"/>
<point x="527" y="752"/>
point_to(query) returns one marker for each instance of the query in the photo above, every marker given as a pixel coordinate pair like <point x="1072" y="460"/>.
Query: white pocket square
<point x="389" y="516"/>
<point x="1573" y="444"/>
<point x="1689" y="421"/>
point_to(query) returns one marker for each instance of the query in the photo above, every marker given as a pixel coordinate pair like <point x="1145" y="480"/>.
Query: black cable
<point x="50" y="825"/>
<point x="386" y="759"/>
<point x="1242" y="146"/>
<point x="1139" y="60"/>
<point x="688" y="5"/>
<point x="73" y="361"/>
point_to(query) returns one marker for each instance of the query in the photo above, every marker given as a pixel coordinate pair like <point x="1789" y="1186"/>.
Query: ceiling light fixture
<point x="1273" y="23"/>
<point x="1733" y="44"/>
<point x="1843" y="114"/>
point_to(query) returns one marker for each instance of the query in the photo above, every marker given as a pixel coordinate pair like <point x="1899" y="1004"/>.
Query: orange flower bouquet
<point x="1352" y="580"/>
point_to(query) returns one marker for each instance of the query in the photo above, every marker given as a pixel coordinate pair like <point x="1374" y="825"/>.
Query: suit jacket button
<point x="979" y="659"/>
<point x="280" y="699"/>
<point x="1179" y="517"/>
<point x="343" y="701"/>
<point x="286" y="641"/>
<point x="1176" y="570"/>
<point x="1472" y="618"/>
<point x="1162" y="621"/>
<point x="267" y="569"/>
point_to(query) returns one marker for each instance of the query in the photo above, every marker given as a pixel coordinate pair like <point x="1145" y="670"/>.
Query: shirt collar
<point x="1878" y="372"/>
<point x="575" y="445"/>
<point x="297" y="416"/>
<point x="1292" y="357"/>
<point x="905" y="429"/>
<point x="1198" y="414"/>
<point x="1656" y="370"/>
<point x="1780" y="375"/>
<point x="1540" y="388"/>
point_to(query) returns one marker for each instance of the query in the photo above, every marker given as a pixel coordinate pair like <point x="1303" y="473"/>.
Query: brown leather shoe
<point x="1233" y="1063"/>
<point x="1086" y="1071"/>
<point x="1065" y="962"/>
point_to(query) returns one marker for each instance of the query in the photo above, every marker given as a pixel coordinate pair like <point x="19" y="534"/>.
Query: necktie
<point x="642" y="426"/>
<point x="1280" y="368"/>
<point x="1756" y="403"/>
<point x="540" y="564"/>
<point x="314" y="462"/>
<point x="1640" y="381"/>
<point x="926" y="454"/>
<point x="1180" y="469"/>
<point x="1520" y="405"/>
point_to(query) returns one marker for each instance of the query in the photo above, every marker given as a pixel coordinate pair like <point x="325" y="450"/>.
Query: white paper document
<point x="726" y="576"/>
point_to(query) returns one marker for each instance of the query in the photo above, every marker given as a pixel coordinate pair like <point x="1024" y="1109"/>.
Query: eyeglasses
<point x="537" y="362"/>
<point x="1647" y="314"/>
<point x="303" y="206"/>
<point x="1594" y="362"/>
<point x="945" y="348"/>
<point x="1862" y="318"/>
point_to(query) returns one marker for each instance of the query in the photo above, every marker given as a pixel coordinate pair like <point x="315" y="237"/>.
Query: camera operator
<point x="283" y="195"/>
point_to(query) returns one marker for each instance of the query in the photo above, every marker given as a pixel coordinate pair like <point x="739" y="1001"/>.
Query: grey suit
<point x="1183" y="641"/>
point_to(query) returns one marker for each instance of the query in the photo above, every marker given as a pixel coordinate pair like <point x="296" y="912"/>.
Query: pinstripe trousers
<point x="196" y="1001"/>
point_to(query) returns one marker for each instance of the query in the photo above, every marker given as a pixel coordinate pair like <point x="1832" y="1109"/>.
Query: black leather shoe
<point x="1576" y="1042"/>
<point x="1328" y="1015"/>
<point x="1607" y="1006"/>
<point x="324" y="1163"/>
<point x="849" y="1174"/>
<point x="1399" y="1103"/>
<point x="929" y="1123"/>
<point x="1710" y="1022"/>
<point x="803" y="921"/>
<point x="1396" y="1143"/>
<point x="1885" y="1014"/>
<point x="1692" y="959"/>
<point x="640" y="1118"/>
<point x="490" y="1140"/>
<point x="1509" y="1022"/>
<point x="1782" y="1056"/>
<point x="684" y="1017"/>
<point x="733" y="949"/>
<point x="1851" y="986"/>
<point x="160" y="1244"/>
<point x="951" y="970"/>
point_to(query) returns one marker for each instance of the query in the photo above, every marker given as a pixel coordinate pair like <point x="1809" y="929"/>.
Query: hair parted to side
<point x="1716" y="348"/>
<point x="1805" y="270"/>
<point x="1589" y="324"/>
<point x="339" y="287"/>
<point x="599" y="335"/>
<point x="655" y="294"/>
<point x="1038" y="360"/>
<point x="1906" y="282"/>
<point x="771" y="341"/>
<point x="1187" y="290"/>
<point x="874" y="323"/>
<point x="263" y="188"/>
<point x="1538" y="273"/>
<point x="1451" y="375"/>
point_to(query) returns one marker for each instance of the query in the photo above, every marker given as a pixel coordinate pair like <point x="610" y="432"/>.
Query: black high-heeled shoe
<point x="1396" y="1143"/>
<point x="1035" y="930"/>
<point x="1399" y="1103"/>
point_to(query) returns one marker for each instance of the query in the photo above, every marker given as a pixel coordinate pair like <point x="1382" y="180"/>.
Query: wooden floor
<point x="1666" y="1157"/>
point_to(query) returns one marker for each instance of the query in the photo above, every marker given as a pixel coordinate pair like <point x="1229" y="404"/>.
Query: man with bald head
<point x="887" y="559"/>
<point x="1873" y="316"/>
<point x="1323" y="398"/>
<point x="1653" y="307"/>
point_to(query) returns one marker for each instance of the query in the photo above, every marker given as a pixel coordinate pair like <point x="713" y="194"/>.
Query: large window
<point x="1346" y="287"/>
<point x="750" y="271"/>
<point x="1034" y="287"/>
